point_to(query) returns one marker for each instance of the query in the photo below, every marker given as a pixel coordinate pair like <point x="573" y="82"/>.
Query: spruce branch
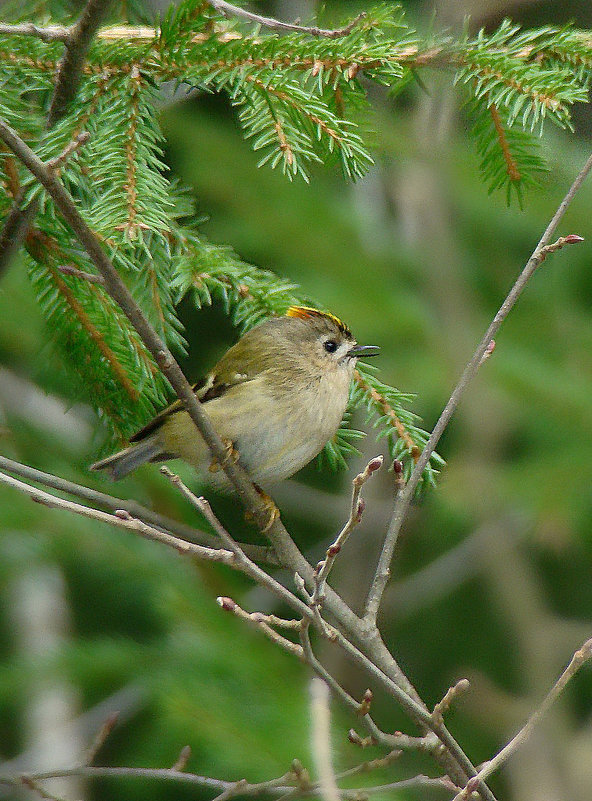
<point x="510" y="156"/>
<point x="511" y="166"/>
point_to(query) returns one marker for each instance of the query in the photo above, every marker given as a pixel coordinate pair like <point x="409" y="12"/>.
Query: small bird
<point x="276" y="398"/>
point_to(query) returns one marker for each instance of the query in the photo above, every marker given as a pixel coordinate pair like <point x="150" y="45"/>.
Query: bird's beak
<point x="363" y="351"/>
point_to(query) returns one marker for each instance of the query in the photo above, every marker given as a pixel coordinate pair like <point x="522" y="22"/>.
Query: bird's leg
<point x="232" y="456"/>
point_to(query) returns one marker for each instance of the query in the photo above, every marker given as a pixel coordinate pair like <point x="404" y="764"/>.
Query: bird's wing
<point x="214" y="385"/>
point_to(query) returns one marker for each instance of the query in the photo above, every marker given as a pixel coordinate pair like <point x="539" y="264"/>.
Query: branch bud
<point x="364" y="707"/>
<point x="226" y="603"/>
<point x="360" y="509"/>
<point x="182" y="759"/>
<point x="375" y="464"/>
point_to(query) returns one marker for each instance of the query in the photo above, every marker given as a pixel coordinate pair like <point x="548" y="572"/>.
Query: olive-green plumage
<point x="278" y="396"/>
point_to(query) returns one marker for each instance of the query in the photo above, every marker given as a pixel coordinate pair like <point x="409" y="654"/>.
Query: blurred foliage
<point x="417" y="258"/>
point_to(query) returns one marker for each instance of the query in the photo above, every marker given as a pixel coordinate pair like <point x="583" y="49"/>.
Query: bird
<point x="276" y="398"/>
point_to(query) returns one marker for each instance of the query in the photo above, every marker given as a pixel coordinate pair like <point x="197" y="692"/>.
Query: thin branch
<point x="100" y="737"/>
<point x="167" y="774"/>
<point x="357" y="508"/>
<point x="51" y="33"/>
<point x="227" y="9"/>
<point x="580" y="657"/>
<point x="404" y="498"/>
<point x="282" y="786"/>
<point x="258" y="621"/>
<point x="69" y="269"/>
<point x="102" y="499"/>
<point x="183" y="758"/>
<point x="461" y="686"/>
<point x="121" y="519"/>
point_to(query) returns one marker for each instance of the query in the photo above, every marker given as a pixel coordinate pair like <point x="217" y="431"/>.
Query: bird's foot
<point x="230" y="457"/>
<point x="270" y="508"/>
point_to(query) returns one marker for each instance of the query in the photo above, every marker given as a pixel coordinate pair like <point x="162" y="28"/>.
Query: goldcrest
<point x="276" y="397"/>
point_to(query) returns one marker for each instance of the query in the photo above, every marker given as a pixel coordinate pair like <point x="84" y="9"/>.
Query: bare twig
<point x="166" y="774"/>
<point x="227" y="9"/>
<point x="183" y="758"/>
<point x="321" y="739"/>
<point x="404" y="498"/>
<point x="357" y="508"/>
<point x="259" y="622"/>
<point x="50" y="33"/>
<point x="581" y="656"/>
<point x="283" y="786"/>
<point x="461" y="686"/>
<point x="69" y="269"/>
<point x="121" y="519"/>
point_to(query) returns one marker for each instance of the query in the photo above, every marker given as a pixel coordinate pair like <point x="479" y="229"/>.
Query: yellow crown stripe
<point x="307" y="313"/>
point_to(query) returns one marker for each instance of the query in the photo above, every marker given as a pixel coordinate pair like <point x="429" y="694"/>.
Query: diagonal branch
<point x="70" y="68"/>
<point x="404" y="498"/>
<point x="580" y="657"/>
<point x="511" y="166"/>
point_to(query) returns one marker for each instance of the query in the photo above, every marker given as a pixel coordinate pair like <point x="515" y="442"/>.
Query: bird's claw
<point x="231" y="456"/>
<point x="270" y="508"/>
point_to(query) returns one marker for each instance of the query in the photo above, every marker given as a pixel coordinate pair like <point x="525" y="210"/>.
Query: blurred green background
<point x="492" y="578"/>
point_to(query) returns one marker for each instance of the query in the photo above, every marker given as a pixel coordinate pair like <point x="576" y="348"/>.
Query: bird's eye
<point x="330" y="346"/>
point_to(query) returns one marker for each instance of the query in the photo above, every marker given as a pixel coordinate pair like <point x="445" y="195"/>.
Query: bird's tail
<point x="120" y="464"/>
